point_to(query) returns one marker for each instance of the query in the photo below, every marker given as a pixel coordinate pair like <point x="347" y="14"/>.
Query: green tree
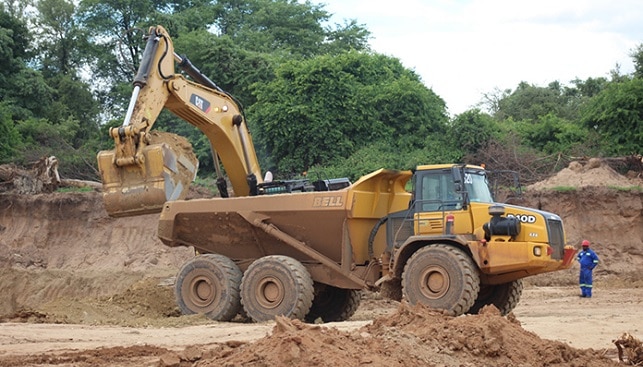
<point x="528" y="102"/>
<point x="181" y="16"/>
<point x="18" y="9"/>
<point x="286" y="26"/>
<point x="60" y="58"/>
<point x="233" y="68"/>
<point x="587" y="88"/>
<point x="637" y="57"/>
<point x="10" y="140"/>
<point x="379" y="154"/>
<point x="346" y="37"/>
<point x="20" y="87"/>
<point x="61" y="42"/>
<point x="409" y="111"/>
<point x="616" y="114"/>
<point x="323" y="109"/>
<point x="471" y="130"/>
<point x="42" y="138"/>
<point x="115" y="29"/>
<point x="268" y="25"/>
<point x="15" y="40"/>
<point x="73" y="99"/>
<point x="553" y="134"/>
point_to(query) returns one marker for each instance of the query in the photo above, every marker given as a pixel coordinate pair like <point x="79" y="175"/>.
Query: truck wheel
<point x="504" y="296"/>
<point x="333" y="304"/>
<point x="209" y="284"/>
<point x="443" y="277"/>
<point x="276" y="285"/>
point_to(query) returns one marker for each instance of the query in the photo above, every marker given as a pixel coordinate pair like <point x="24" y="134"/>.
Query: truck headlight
<point x="538" y="251"/>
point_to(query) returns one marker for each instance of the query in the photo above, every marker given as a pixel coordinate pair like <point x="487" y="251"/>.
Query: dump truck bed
<point x="335" y="225"/>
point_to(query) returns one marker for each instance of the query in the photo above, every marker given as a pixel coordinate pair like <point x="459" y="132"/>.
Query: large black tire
<point x="441" y="277"/>
<point x="333" y="304"/>
<point x="504" y="296"/>
<point x="276" y="285"/>
<point x="209" y="284"/>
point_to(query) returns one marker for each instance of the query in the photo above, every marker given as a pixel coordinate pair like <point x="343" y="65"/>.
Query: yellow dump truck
<point x="307" y="253"/>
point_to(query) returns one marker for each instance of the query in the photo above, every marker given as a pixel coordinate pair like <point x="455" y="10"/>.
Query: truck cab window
<point x="476" y="185"/>
<point x="438" y="192"/>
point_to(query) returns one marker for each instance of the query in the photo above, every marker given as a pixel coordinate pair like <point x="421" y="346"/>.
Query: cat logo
<point x="333" y="201"/>
<point x="200" y="102"/>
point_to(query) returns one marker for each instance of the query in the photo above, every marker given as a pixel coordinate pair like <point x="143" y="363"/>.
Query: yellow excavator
<point x="308" y="254"/>
<point x="146" y="169"/>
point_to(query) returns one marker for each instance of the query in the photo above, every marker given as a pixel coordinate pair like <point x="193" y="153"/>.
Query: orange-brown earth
<point x="82" y="289"/>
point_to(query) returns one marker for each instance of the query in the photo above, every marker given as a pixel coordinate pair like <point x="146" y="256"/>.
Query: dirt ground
<point x="82" y="289"/>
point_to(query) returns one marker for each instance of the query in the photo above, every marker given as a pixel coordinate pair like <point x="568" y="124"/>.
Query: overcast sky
<point x="463" y="49"/>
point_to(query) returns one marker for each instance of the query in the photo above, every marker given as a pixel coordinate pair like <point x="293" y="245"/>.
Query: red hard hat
<point x="585" y="243"/>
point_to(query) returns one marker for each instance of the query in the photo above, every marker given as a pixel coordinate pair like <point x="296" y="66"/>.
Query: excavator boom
<point x="145" y="169"/>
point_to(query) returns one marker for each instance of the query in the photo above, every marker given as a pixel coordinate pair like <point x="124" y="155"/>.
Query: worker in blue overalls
<point x="588" y="261"/>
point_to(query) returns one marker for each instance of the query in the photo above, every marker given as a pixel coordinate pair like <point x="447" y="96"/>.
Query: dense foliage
<point x="316" y="98"/>
<point x="336" y="105"/>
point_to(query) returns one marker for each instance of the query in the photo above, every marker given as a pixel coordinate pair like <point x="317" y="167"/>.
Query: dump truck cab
<point x="494" y="246"/>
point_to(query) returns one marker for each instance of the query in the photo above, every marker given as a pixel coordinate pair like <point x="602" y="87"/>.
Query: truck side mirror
<point x="457" y="173"/>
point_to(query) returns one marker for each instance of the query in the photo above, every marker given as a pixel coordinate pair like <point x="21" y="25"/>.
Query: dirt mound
<point x="598" y="204"/>
<point x="594" y="173"/>
<point x="412" y="336"/>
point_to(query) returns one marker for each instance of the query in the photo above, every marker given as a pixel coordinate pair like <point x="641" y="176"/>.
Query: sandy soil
<point x="82" y="289"/>
<point x="554" y="313"/>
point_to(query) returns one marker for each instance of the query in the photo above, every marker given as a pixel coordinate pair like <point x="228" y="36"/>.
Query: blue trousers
<point x="585" y="281"/>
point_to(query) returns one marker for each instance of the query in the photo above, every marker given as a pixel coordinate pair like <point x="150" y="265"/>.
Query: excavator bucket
<point x="168" y="167"/>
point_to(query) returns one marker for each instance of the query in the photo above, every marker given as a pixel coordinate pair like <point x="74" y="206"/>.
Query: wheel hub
<point x="435" y="282"/>
<point x="270" y="292"/>
<point x="203" y="292"/>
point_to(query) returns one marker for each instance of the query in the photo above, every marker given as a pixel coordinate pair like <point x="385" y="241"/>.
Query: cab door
<point x="436" y="197"/>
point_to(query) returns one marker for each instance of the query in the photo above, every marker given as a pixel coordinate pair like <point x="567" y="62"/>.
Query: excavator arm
<point x="146" y="169"/>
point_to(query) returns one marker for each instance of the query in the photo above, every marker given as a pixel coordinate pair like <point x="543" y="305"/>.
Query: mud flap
<point x="568" y="257"/>
<point x="132" y="190"/>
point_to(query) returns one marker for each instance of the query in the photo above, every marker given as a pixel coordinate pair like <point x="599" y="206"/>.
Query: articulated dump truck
<point x="306" y="253"/>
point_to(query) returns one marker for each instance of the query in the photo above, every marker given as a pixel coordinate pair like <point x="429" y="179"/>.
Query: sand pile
<point x="594" y="173"/>
<point x="413" y="336"/>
